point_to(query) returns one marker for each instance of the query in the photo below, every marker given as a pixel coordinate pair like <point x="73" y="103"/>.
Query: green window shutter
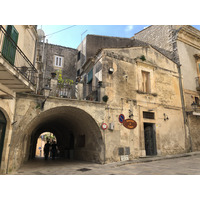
<point x="90" y="76"/>
<point x="9" y="49"/>
<point x="199" y="68"/>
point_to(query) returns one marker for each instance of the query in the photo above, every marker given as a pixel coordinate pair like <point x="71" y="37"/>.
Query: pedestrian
<point x="54" y="150"/>
<point x="46" y="150"/>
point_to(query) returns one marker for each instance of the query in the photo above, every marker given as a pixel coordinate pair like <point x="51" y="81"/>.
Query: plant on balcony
<point x="143" y="58"/>
<point x="63" y="81"/>
<point x="105" y="98"/>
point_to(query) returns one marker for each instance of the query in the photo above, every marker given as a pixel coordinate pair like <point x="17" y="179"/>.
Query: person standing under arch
<point x="54" y="150"/>
<point x="46" y="150"/>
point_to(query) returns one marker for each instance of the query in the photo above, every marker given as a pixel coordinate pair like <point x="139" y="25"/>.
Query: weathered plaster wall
<point x="87" y="119"/>
<point x="189" y="66"/>
<point x="26" y="39"/>
<point x="123" y="96"/>
<point x="69" y="55"/>
<point x="8" y="108"/>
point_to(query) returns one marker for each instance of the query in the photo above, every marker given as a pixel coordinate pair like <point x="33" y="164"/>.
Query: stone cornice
<point x="190" y="36"/>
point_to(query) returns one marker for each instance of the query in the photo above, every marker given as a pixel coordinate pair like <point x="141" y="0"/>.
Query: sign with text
<point x="130" y="123"/>
<point x="124" y="157"/>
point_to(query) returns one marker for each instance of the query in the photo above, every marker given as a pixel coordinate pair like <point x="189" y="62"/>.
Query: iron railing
<point x="91" y="93"/>
<point x="58" y="90"/>
<point x="71" y="91"/>
<point x="16" y="57"/>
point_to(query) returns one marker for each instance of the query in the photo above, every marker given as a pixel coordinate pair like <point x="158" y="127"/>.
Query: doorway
<point x="3" y="123"/>
<point x="150" y="139"/>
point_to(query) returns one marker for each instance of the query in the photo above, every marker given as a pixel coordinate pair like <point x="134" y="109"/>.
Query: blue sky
<point x="71" y="37"/>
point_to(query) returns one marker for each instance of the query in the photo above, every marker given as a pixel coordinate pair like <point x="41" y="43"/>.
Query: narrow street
<point x="188" y="164"/>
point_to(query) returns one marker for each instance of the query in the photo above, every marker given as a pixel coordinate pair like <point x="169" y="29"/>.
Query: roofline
<point x="142" y="30"/>
<point x="146" y="46"/>
<point x="58" y="46"/>
<point x="109" y="36"/>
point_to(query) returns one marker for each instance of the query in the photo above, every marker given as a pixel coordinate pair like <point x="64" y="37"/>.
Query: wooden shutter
<point x="9" y="47"/>
<point x="90" y="76"/>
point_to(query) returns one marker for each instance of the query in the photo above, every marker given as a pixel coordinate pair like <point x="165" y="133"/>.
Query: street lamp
<point x="46" y="90"/>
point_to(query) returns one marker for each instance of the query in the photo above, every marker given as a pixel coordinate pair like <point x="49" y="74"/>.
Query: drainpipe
<point x="176" y="55"/>
<point x="183" y="107"/>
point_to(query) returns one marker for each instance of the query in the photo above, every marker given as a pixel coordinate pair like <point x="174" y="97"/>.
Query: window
<point x="90" y="76"/>
<point x="78" y="72"/>
<point x="78" y="56"/>
<point x="9" y="45"/>
<point x="146" y="82"/>
<point x="148" y="115"/>
<point x="197" y="101"/>
<point x="58" y="61"/>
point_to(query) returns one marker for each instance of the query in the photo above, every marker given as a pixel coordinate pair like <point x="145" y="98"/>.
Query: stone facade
<point x="126" y="95"/>
<point x="115" y="76"/>
<point x="47" y="63"/>
<point x="62" y="117"/>
<point x="93" y="43"/>
<point x="184" y="44"/>
<point x="13" y="80"/>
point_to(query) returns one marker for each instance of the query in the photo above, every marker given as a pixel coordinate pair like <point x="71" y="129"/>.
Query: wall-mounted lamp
<point x="194" y="106"/>
<point x="46" y="94"/>
<point x="110" y="70"/>
<point x="165" y="117"/>
<point x="130" y="114"/>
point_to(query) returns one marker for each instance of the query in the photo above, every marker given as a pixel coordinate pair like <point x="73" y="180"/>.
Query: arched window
<point x="2" y="132"/>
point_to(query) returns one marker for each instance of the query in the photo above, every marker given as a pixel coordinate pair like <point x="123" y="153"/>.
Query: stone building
<point x="130" y="100"/>
<point x="17" y="74"/>
<point x="141" y="83"/>
<point x="183" y="44"/>
<point x="51" y="59"/>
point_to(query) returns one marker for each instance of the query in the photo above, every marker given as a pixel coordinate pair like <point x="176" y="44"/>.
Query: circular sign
<point x="104" y="126"/>
<point x="121" y="118"/>
<point x="130" y="123"/>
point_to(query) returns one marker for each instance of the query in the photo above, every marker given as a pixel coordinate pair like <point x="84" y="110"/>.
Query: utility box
<point x="111" y="126"/>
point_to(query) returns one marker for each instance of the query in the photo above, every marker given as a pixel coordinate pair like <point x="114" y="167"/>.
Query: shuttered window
<point x="90" y="76"/>
<point x="9" y="45"/>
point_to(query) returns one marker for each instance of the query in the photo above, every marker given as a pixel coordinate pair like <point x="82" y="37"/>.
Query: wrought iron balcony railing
<point x="16" y="57"/>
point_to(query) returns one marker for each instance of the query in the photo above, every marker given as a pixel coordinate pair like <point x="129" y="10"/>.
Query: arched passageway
<point x="77" y="133"/>
<point x="3" y="123"/>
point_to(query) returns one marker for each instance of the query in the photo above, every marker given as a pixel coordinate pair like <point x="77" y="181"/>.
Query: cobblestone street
<point x="187" y="164"/>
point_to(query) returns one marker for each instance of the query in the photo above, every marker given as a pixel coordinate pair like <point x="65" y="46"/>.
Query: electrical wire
<point x="61" y="30"/>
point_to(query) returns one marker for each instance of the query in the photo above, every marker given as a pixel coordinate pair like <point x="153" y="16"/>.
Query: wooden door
<point x="150" y="140"/>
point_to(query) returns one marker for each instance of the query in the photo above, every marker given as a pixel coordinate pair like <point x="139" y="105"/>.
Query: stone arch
<point x="63" y="121"/>
<point x="4" y="138"/>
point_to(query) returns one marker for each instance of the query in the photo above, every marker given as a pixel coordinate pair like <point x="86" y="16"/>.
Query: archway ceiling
<point x="63" y="118"/>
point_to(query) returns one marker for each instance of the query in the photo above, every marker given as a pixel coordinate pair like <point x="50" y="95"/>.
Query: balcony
<point x="80" y="91"/>
<point x="17" y="73"/>
<point x="198" y="83"/>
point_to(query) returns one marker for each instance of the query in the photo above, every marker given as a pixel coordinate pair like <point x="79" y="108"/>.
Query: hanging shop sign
<point x="121" y="118"/>
<point x="104" y="126"/>
<point x="130" y="123"/>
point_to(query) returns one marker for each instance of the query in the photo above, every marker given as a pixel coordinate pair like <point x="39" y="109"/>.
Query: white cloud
<point x="129" y="28"/>
<point x="145" y="27"/>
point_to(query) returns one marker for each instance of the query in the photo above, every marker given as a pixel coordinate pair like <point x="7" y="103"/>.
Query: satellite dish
<point x="41" y="35"/>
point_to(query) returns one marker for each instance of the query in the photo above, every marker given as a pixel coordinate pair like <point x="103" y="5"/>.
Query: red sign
<point x="104" y="126"/>
<point x="130" y="123"/>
